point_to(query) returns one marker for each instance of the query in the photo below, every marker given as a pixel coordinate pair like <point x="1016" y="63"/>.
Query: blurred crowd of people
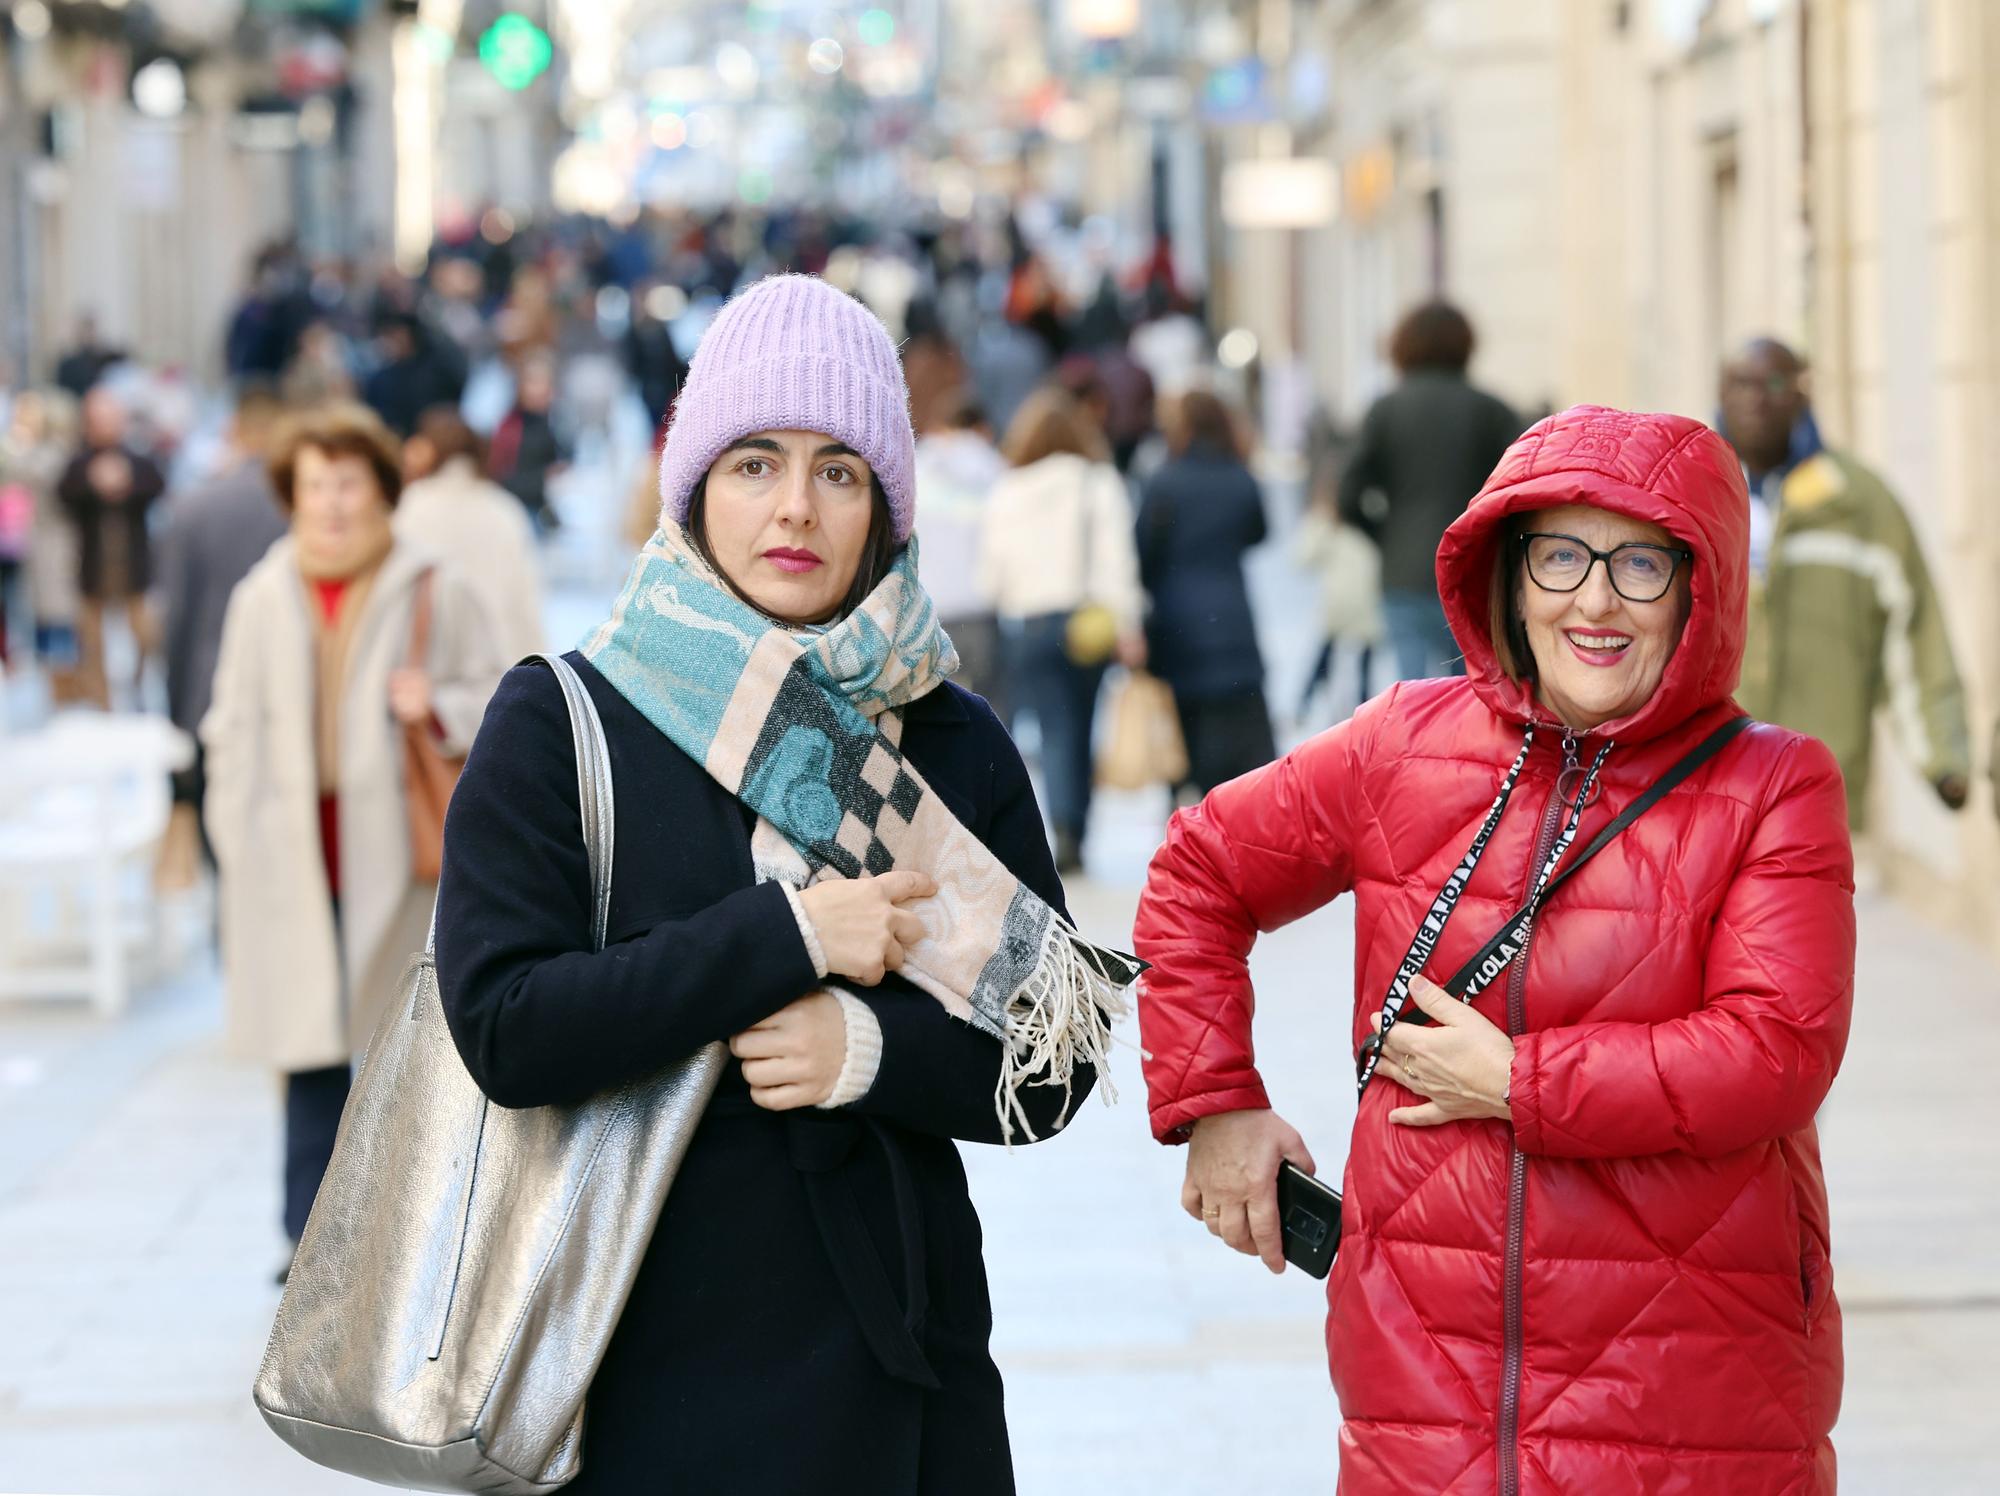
<point x="1088" y="493"/>
<point x="333" y="576"/>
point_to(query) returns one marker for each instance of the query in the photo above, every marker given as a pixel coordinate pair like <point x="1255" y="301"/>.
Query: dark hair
<point x="878" y="551"/>
<point x="445" y="429"/>
<point x="1505" y="628"/>
<point x="1435" y="335"/>
<point x="342" y="429"/>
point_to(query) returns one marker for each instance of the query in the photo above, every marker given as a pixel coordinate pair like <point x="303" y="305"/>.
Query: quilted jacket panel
<point x="1687" y="1002"/>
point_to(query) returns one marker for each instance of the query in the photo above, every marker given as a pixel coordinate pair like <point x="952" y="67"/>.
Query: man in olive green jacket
<point x="1843" y="616"/>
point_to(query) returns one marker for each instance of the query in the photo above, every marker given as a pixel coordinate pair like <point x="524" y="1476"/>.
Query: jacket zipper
<point x="1517" y="1169"/>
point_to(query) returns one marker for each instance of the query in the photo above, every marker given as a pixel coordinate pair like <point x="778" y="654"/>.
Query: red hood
<point x="1667" y="469"/>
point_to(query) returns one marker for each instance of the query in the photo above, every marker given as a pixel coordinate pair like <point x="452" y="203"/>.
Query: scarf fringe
<point x="1061" y="1017"/>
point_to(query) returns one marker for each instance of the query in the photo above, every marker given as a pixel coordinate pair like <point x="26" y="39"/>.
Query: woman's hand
<point x="1232" y="1179"/>
<point x="862" y="927"/>
<point x="410" y="696"/>
<point x="1460" y="1065"/>
<point x="793" y="1058"/>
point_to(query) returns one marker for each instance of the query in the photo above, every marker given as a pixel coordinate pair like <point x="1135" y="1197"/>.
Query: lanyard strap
<point x="1479" y="973"/>
<point x="1432" y="928"/>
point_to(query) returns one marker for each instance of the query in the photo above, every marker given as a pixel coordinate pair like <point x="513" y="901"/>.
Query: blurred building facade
<point x="1621" y="191"/>
<point x="148" y="151"/>
<point x="1828" y="172"/>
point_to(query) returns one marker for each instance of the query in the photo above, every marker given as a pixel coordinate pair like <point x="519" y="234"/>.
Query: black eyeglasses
<point x="1640" y="573"/>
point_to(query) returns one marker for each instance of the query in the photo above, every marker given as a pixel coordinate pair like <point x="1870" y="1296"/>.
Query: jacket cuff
<point x="815" y="952"/>
<point x="1174" y="1123"/>
<point x="864" y="1051"/>
<point x="1524" y="1094"/>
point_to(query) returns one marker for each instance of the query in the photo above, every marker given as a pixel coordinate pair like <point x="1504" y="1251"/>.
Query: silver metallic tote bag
<point x="465" y="1265"/>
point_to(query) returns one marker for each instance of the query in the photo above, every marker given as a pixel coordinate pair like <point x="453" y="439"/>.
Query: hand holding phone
<point x="1309" y="1216"/>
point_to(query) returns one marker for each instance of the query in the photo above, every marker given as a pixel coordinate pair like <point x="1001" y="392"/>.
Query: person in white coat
<point x="306" y="808"/>
<point x="458" y="513"/>
<point x="1058" y="559"/>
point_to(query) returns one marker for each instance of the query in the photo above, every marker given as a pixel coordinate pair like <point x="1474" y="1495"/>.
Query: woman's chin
<point x="793" y="601"/>
<point x="1593" y="701"/>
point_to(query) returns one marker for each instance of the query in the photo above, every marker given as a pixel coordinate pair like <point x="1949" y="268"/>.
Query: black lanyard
<point x="1493" y="958"/>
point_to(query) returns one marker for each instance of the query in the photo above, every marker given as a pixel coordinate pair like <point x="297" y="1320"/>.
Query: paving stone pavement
<point x="137" y="1236"/>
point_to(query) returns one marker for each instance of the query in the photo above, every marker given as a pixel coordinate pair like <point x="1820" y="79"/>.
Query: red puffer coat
<point x="1628" y="1288"/>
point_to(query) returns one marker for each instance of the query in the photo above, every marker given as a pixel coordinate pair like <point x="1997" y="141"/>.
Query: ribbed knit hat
<point x="793" y="354"/>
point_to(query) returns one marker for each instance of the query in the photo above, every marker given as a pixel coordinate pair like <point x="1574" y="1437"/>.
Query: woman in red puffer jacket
<point x="1585" y="1231"/>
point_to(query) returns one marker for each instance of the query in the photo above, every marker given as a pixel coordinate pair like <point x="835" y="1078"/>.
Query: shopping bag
<point x="1142" y="745"/>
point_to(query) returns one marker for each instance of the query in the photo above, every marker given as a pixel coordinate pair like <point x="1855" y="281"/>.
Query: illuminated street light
<point x="1238" y="348"/>
<point x="159" y="89"/>
<point x="736" y="68"/>
<point x="31" y="19"/>
<point x="1104" y="20"/>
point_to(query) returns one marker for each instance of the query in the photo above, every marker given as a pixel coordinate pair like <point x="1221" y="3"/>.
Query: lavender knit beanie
<point x="792" y="353"/>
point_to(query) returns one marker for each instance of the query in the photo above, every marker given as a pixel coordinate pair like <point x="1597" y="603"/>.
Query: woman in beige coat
<point x="455" y="511"/>
<point x="305" y="804"/>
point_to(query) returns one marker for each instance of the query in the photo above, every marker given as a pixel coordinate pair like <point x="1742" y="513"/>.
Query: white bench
<point x="84" y="802"/>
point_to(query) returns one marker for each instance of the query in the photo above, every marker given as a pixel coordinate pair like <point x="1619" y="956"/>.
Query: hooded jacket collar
<point x="1666" y="469"/>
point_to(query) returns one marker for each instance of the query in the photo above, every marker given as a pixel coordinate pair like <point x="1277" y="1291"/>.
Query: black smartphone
<point x="1309" y="1214"/>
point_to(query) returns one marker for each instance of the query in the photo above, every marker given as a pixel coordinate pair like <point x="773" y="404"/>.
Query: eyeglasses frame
<point x="1680" y="554"/>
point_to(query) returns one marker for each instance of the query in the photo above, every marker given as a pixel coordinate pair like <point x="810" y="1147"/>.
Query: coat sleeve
<point x="1151" y="532"/>
<point x="1755" y="1060"/>
<point x="1114" y="557"/>
<point x="465" y="662"/>
<point x="940" y="1075"/>
<point x="537" y="1015"/>
<point x="991" y="570"/>
<point x="173" y="587"/>
<point x="1919" y="676"/>
<point x="73" y="488"/>
<point x="1258" y="853"/>
<point x="225" y="731"/>
<point x="1993" y="765"/>
<point x="1256" y="519"/>
<point x="1363" y="470"/>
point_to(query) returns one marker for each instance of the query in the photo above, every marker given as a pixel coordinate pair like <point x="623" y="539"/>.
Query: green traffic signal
<point x="515" y="51"/>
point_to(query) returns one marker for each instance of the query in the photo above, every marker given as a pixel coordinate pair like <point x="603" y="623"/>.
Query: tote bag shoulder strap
<point x="593" y="795"/>
<point x="593" y="789"/>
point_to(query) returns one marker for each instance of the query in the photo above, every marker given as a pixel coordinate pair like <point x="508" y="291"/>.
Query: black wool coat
<point x="812" y="1315"/>
<point x="1197" y="516"/>
<point x="1427" y="446"/>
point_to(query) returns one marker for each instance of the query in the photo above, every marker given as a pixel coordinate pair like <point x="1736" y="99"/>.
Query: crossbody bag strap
<point x="1478" y="973"/>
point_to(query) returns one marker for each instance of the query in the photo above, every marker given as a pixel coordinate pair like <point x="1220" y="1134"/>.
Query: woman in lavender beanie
<point x="828" y="858"/>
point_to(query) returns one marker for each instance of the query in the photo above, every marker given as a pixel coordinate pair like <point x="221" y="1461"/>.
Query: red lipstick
<point x="798" y="562"/>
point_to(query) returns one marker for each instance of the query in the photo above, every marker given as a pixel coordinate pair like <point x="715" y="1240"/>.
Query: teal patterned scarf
<point x="804" y="726"/>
